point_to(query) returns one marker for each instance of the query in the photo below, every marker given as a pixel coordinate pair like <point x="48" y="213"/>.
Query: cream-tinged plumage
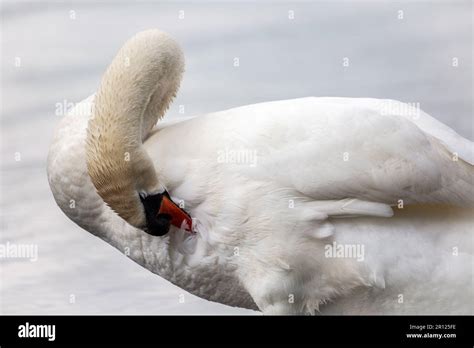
<point x="317" y="172"/>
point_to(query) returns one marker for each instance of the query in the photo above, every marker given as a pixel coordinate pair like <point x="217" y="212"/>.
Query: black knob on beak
<point x="156" y="224"/>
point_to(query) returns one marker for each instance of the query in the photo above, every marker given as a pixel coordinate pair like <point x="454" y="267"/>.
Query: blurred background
<point x="53" y="54"/>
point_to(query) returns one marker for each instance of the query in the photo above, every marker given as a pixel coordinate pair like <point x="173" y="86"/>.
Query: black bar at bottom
<point x="139" y="330"/>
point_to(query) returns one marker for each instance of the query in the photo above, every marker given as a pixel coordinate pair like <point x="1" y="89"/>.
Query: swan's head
<point x="134" y="93"/>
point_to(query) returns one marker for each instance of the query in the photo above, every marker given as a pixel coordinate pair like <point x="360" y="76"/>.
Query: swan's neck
<point x="134" y="92"/>
<point x="150" y="252"/>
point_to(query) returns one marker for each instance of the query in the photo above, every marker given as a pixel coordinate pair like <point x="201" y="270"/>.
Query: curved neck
<point x="134" y="93"/>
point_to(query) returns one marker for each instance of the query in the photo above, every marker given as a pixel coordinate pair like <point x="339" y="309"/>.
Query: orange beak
<point x="179" y="217"/>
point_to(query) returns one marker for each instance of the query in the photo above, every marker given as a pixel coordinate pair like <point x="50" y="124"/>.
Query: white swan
<point x="321" y="173"/>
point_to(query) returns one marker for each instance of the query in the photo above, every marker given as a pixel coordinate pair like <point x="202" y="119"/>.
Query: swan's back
<point x="377" y="150"/>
